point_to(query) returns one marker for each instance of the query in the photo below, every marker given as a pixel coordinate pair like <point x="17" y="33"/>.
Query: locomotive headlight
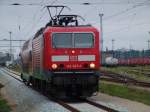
<point x="54" y="66"/>
<point x="92" y="65"/>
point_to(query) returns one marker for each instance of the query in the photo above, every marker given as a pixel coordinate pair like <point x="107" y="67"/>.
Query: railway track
<point x="108" y="109"/>
<point x="10" y="74"/>
<point x="142" y="69"/>
<point x="61" y="102"/>
<point x="114" y="77"/>
<point x="141" y="72"/>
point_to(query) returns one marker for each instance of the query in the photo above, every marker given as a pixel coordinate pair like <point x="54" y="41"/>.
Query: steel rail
<point x="7" y="72"/>
<point x="11" y="71"/>
<point x="122" y="79"/>
<point x="71" y="108"/>
<point x="106" y="108"/>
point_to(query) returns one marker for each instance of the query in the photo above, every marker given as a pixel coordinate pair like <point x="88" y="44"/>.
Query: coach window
<point x="84" y="40"/>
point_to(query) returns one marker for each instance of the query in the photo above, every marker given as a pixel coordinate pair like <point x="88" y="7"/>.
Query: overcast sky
<point x="125" y="21"/>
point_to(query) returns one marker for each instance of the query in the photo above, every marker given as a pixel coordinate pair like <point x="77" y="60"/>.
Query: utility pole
<point x="148" y="44"/>
<point x="101" y="30"/>
<point x="113" y="40"/>
<point x="10" y="45"/>
<point x="101" y="37"/>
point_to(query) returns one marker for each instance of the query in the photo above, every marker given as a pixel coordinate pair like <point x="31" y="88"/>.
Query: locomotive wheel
<point x="22" y="78"/>
<point x="43" y="86"/>
<point x="37" y="84"/>
<point x="33" y="83"/>
<point x="28" y="82"/>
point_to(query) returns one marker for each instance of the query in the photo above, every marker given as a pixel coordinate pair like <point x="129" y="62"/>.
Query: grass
<point x="4" y="106"/>
<point x="123" y="91"/>
<point x="15" y="68"/>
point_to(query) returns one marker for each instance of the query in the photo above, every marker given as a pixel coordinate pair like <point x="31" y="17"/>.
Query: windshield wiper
<point x="54" y="45"/>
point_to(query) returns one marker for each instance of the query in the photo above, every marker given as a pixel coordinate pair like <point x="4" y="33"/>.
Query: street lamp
<point x="101" y="36"/>
<point x="86" y="3"/>
<point x="113" y="40"/>
<point x="4" y="40"/>
<point x="148" y="42"/>
<point x="10" y="45"/>
<point x="101" y="30"/>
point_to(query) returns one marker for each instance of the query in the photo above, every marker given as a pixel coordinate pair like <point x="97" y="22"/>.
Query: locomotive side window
<point x="62" y="40"/>
<point x="84" y="40"/>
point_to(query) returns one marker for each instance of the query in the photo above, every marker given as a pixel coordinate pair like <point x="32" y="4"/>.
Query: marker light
<point x="92" y="65"/>
<point x="73" y="51"/>
<point x="54" y="66"/>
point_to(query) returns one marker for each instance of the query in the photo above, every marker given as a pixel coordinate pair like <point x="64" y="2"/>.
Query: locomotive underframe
<point x="67" y="83"/>
<point x="76" y="83"/>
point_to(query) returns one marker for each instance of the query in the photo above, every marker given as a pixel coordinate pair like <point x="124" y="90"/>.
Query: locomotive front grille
<point x="75" y="79"/>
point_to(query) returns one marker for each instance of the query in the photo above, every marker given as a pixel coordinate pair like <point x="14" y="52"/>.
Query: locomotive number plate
<point x="73" y="58"/>
<point x="74" y="66"/>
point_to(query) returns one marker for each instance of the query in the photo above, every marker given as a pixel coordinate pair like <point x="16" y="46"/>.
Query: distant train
<point x="62" y="59"/>
<point x="4" y="58"/>
<point x="135" y="61"/>
<point x="110" y="61"/>
<point x="126" y="57"/>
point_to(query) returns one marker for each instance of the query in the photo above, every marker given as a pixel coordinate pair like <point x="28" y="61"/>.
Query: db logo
<point x="73" y="58"/>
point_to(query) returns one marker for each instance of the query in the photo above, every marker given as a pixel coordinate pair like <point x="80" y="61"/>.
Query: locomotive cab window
<point x="62" y="40"/>
<point x="72" y="40"/>
<point x="84" y="40"/>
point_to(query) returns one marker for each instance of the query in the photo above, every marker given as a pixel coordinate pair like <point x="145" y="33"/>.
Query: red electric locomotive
<point x="63" y="58"/>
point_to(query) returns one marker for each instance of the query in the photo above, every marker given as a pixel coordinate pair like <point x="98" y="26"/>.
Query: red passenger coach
<point x="63" y="59"/>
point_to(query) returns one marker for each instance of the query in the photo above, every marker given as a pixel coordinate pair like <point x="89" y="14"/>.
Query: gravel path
<point x="24" y="99"/>
<point x="121" y="104"/>
<point x="84" y="107"/>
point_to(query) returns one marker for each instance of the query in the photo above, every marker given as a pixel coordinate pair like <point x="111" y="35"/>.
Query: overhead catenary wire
<point x="127" y="10"/>
<point x="103" y="3"/>
<point x="126" y="28"/>
<point x="35" y="14"/>
<point x="76" y="3"/>
<point x="37" y="22"/>
<point x="106" y="18"/>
